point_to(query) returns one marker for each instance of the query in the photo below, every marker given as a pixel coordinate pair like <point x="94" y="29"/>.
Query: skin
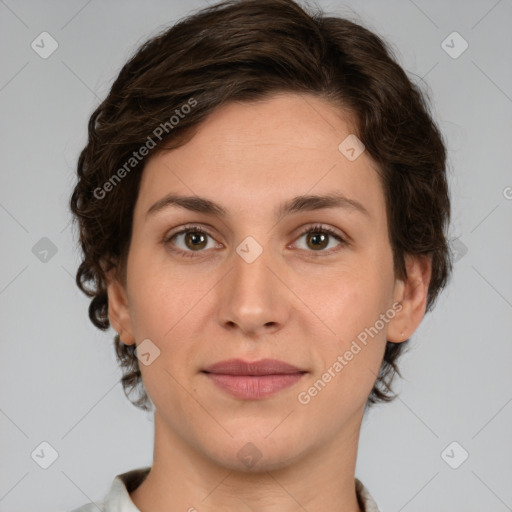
<point x="296" y="302"/>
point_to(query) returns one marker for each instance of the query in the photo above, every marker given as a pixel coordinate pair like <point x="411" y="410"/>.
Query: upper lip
<point x="261" y="367"/>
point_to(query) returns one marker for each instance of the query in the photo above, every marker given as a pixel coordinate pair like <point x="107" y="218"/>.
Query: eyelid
<point x="332" y="232"/>
<point x="187" y="227"/>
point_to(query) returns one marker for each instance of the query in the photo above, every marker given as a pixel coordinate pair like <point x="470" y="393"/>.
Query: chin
<point x="258" y="463"/>
<point x="256" y="453"/>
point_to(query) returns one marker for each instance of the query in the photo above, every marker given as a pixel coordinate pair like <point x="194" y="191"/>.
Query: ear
<point x="118" y="310"/>
<point x="411" y="293"/>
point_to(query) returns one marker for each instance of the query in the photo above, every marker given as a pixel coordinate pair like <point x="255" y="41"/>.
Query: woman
<point x="262" y="206"/>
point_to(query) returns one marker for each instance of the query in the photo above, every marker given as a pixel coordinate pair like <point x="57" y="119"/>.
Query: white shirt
<point x="118" y="497"/>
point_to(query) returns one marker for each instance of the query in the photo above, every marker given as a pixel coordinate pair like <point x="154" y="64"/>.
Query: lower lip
<point x="254" y="387"/>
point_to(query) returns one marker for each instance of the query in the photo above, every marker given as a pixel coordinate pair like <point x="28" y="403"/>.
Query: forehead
<point x="248" y="155"/>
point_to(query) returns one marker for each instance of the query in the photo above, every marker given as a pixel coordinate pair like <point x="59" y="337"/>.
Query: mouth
<point x="253" y="380"/>
<point x="239" y="367"/>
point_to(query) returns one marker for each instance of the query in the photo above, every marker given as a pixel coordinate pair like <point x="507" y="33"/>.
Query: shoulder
<point x="118" y="497"/>
<point x="366" y="502"/>
<point x="90" y="507"/>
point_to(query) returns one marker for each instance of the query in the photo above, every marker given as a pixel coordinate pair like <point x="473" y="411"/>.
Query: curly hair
<point x="244" y="50"/>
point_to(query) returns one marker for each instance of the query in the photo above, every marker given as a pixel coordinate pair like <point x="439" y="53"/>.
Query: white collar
<point x="118" y="497"/>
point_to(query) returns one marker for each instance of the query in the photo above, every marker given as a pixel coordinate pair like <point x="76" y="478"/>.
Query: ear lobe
<point x="412" y="294"/>
<point x="118" y="310"/>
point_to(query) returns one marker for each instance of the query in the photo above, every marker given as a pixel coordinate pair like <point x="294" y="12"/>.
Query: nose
<point x="251" y="298"/>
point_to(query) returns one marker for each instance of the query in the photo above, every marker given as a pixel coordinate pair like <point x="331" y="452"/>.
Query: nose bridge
<point x="251" y="269"/>
<point x="250" y="298"/>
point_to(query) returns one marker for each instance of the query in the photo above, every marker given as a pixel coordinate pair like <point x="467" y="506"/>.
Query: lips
<point x="253" y="380"/>
<point x="262" y="367"/>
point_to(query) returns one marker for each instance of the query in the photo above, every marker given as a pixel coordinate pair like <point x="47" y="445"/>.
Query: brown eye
<point x="190" y="241"/>
<point x="317" y="240"/>
<point x="195" y="240"/>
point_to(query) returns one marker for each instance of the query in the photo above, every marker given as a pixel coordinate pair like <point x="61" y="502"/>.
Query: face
<point x="246" y="271"/>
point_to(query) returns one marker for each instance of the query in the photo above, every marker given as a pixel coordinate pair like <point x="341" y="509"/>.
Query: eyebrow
<point x="293" y="205"/>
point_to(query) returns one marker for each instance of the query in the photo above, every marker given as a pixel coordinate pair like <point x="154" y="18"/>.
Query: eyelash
<point x="317" y="228"/>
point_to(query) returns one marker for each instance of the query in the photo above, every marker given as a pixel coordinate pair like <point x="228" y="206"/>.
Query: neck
<point x="184" y="479"/>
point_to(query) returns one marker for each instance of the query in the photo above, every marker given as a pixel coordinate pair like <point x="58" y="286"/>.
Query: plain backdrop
<point x="59" y="380"/>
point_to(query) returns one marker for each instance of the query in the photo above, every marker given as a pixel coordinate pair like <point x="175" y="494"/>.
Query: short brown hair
<point x="244" y="50"/>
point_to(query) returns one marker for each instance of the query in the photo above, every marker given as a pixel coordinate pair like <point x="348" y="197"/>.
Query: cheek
<point x="349" y="361"/>
<point x="159" y="295"/>
<point x="171" y="309"/>
<point x="351" y="299"/>
<point x="354" y="347"/>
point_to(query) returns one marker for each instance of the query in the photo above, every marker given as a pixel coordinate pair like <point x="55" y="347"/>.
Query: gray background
<point x="59" y="379"/>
